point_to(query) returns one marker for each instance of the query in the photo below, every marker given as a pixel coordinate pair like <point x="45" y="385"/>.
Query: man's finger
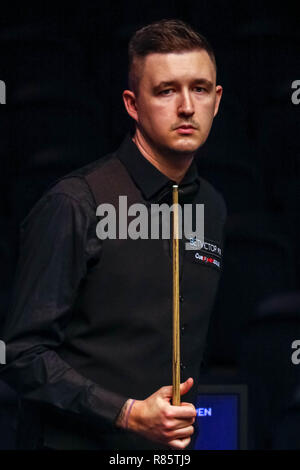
<point x="182" y="412"/>
<point x="182" y="423"/>
<point x="179" y="443"/>
<point x="167" y="390"/>
<point x="185" y="403"/>
<point x="183" y="432"/>
<point x="186" y="386"/>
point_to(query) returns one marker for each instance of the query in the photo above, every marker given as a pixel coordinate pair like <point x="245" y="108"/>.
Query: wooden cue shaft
<point x="176" y="318"/>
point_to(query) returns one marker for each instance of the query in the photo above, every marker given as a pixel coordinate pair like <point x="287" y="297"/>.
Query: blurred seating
<point x="258" y="262"/>
<point x="265" y="359"/>
<point x="238" y="182"/>
<point x="8" y="417"/>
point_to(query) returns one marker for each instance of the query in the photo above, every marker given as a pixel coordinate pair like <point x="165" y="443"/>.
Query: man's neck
<point x="174" y="169"/>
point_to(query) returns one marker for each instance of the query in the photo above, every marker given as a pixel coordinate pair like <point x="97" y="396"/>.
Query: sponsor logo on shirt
<point x="208" y="252"/>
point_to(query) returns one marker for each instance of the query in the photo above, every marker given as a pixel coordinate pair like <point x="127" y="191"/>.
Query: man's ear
<point x="219" y="91"/>
<point x="130" y="104"/>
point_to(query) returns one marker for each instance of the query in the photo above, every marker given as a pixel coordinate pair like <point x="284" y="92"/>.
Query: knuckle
<point x="183" y="443"/>
<point x="167" y="413"/>
<point x="175" y="444"/>
<point x="169" y="435"/>
<point x="167" y="426"/>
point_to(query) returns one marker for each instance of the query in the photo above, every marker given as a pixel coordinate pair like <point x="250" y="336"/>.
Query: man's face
<point x="177" y="101"/>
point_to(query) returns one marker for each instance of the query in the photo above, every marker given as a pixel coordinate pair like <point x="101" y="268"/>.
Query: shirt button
<point x="182" y="329"/>
<point x="182" y="366"/>
<point x="181" y="298"/>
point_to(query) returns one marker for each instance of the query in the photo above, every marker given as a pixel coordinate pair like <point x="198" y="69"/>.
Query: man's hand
<point x="156" y="419"/>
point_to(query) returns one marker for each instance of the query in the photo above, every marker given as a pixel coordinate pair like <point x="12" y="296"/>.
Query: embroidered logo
<point x="205" y="259"/>
<point x="208" y="252"/>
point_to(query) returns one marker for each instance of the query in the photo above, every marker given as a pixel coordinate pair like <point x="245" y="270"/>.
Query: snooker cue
<point x="176" y="318"/>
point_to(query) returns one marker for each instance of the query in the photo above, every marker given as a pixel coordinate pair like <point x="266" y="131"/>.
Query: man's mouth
<point x="185" y="129"/>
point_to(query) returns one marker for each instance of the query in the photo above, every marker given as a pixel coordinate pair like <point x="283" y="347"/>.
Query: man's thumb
<point x="186" y="386"/>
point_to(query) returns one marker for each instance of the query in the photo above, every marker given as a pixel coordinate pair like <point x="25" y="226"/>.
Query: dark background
<point x="65" y="67"/>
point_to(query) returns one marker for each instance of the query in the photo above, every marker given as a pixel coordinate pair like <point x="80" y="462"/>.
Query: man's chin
<point x="186" y="148"/>
<point x="187" y="143"/>
<point x="182" y="148"/>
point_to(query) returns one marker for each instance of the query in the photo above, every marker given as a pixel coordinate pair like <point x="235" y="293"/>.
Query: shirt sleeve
<point x="52" y="263"/>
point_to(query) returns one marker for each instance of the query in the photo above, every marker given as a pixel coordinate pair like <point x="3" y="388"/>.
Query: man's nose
<point x="186" y="105"/>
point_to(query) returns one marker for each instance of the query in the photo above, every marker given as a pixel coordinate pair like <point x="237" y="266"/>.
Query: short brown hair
<point x="163" y="36"/>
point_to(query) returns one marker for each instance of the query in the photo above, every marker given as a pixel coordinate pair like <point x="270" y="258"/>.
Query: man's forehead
<point x="190" y="65"/>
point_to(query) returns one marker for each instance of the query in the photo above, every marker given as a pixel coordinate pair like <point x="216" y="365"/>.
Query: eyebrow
<point x="197" y="81"/>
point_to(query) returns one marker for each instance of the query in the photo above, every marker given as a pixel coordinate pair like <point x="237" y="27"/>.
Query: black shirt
<point x="58" y="246"/>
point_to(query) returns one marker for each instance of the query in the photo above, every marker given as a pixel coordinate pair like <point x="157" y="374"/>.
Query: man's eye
<point x="166" y="92"/>
<point x="199" y="89"/>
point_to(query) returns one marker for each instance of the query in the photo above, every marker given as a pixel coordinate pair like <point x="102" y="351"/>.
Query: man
<point x="89" y="335"/>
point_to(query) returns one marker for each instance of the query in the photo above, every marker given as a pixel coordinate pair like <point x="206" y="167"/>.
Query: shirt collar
<point x="151" y="182"/>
